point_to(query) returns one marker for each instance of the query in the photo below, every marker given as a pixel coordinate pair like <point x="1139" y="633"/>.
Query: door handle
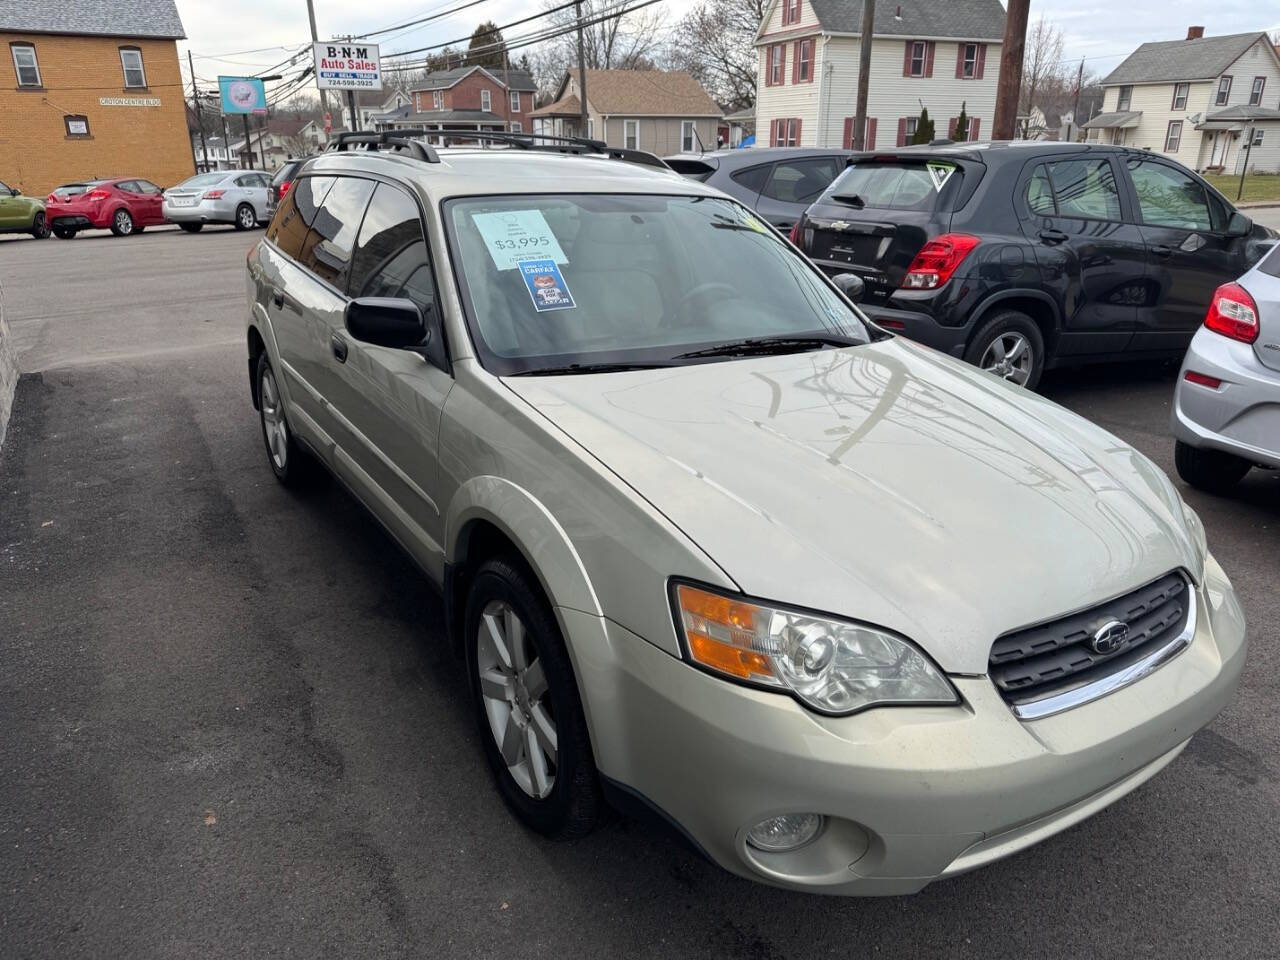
<point x="1053" y="236"/>
<point x="1162" y="251"/>
<point x="277" y="297"/>
<point x="339" y="347"/>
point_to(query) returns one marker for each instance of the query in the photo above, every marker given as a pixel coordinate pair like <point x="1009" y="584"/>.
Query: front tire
<point x="527" y="707"/>
<point x="191" y="227"/>
<point x="246" y="219"/>
<point x="40" y="227"/>
<point x="291" y="464"/>
<point x="122" y="223"/>
<point x="1209" y="470"/>
<point x="1010" y="346"/>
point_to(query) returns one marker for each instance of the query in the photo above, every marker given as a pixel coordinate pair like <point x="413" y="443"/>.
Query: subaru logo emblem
<point x="1110" y="637"/>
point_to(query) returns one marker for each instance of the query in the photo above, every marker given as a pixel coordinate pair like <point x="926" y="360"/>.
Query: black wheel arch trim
<point x="991" y="301"/>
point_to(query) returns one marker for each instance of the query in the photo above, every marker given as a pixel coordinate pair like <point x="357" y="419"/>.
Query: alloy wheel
<point x="247" y="219"/>
<point x="514" y="690"/>
<point x="124" y="222"/>
<point x="273" y="422"/>
<point x="40" y="226"/>
<point x="1009" y="356"/>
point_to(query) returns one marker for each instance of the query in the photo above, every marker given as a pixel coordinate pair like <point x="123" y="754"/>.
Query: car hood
<point x="885" y="483"/>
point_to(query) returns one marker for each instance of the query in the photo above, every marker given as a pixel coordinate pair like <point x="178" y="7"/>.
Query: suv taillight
<point x="284" y="188"/>
<point x="1233" y="313"/>
<point x="794" y="235"/>
<point x="938" y="260"/>
<point x="97" y="195"/>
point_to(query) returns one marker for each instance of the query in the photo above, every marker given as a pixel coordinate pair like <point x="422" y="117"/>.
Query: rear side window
<point x="895" y="186"/>
<point x="1040" y="194"/>
<point x="800" y="181"/>
<point x="297" y="211"/>
<point x="328" y="247"/>
<point x="1085" y="189"/>
<point x="752" y="178"/>
<point x="1271" y="262"/>
<point x="391" y="258"/>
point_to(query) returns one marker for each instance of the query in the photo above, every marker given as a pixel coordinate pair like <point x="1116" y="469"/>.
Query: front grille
<point x="1053" y="658"/>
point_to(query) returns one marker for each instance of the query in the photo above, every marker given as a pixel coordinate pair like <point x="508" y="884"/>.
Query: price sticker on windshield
<point x="514" y="235"/>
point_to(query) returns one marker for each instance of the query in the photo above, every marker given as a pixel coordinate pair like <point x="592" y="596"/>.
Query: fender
<point x="1020" y="293"/>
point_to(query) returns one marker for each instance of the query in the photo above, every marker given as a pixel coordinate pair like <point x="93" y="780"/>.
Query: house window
<point x="514" y="100"/>
<point x="131" y="61"/>
<point x="1255" y="92"/>
<point x="24" y="64"/>
<point x="686" y="136"/>
<point x="790" y="11"/>
<point x="77" y="125"/>
<point x="1180" y="92"/>
<point x="437" y="100"/>
<point x="913" y="124"/>
<point x="804" y="61"/>
<point x="1224" y="91"/>
<point x="1124" y="99"/>
<point x="969" y="65"/>
<point x="1173" y="139"/>
<point x="517" y="127"/>
<point x="777" y="63"/>
<point x="785" y="133"/>
<point x="486" y="101"/>
<point x="1257" y="138"/>
<point x="591" y="128"/>
<point x="631" y="134"/>
<point x="917" y="58"/>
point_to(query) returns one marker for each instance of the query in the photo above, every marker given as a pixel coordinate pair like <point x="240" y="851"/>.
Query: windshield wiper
<point x="761" y="346"/>
<point x="588" y="368"/>
<point x="849" y="200"/>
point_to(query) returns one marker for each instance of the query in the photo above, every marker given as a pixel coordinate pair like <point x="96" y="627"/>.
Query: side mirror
<point x="15" y="192"/>
<point x="851" y="285"/>
<point x="386" y="322"/>
<point x="1239" y="225"/>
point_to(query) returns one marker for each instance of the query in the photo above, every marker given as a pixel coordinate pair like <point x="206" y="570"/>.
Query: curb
<point x="8" y="370"/>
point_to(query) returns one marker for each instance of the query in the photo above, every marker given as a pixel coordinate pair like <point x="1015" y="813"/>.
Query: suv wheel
<point x="122" y="223"/>
<point x="526" y="700"/>
<point x="1210" y="470"/>
<point x="289" y="462"/>
<point x="39" y="226"/>
<point x="1010" y="346"/>
<point x="246" y="219"/>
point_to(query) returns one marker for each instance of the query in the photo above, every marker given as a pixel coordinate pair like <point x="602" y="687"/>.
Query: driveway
<point x="230" y="727"/>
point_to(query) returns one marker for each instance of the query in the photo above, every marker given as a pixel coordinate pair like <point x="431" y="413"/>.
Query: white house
<point x="939" y="54"/>
<point x="1201" y="100"/>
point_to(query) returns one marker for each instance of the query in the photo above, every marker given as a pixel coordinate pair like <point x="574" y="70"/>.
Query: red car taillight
<point x="284" y="188"/>
<point x="97" y="195"/>
<point x="1233" y="313"/>
<point x="213" y="194"/>
<point x="938" y="260"/>
<point x="794" y="235"/>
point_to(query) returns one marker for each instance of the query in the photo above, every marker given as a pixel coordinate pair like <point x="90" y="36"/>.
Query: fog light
<point x="788" y="832"/>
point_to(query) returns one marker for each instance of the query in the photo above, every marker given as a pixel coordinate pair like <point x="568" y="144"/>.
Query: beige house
<point x="654" y="110"/>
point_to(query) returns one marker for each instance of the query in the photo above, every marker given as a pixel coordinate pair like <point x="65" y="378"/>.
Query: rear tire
<point x="246" y="219"/>
<point x="1209" y="470"/>
<point x="527" y="707"/>
<point x="122" y="223"/>
<point x="64" y="233"/>
<point x="191" y="227"/>
<point x="291" y="464"/>
<point x="1009" y="346"/>
<point x="40" y="227"/>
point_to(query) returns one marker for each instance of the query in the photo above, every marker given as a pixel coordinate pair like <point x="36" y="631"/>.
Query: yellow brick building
<point x="91" y="89"/>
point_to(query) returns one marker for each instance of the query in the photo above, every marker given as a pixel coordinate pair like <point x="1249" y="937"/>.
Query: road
<point x="229" y="727"/>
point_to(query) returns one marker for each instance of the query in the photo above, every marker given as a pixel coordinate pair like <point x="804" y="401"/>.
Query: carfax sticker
<point x="514" y="235"/>
<point x="941" y="173"/>
<point x="546" y="286"/>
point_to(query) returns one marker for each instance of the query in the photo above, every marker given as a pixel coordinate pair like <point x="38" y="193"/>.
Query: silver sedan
<point x="1226" y="411"/>
<point x="238" y="197"/>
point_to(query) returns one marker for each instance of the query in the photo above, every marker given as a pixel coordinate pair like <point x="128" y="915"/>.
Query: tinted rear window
<point x="894" y="186"/>
<point x="753" y="178"/>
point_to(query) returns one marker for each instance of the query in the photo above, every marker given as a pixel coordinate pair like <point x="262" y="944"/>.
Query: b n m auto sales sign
<point x="346" y="65"/>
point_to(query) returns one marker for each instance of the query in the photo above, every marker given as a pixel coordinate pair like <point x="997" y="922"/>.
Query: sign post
<point x="348" y="65"/>
<point x="245" y="96"/>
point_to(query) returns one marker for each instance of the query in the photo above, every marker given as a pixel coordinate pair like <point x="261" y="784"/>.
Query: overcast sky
<point x="1103" y="32"/>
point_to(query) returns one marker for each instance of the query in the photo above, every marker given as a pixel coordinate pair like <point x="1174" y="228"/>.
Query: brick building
<point x="91" y="89"/>
<point x="472" y="98"/>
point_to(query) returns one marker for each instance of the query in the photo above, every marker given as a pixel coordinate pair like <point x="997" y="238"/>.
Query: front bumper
<point x="911" y="794"/>
<point x="1242" y="416"/>
<point x="205" y="211"/>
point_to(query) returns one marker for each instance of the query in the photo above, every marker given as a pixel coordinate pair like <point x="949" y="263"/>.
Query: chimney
<point x="1195" y="33"/>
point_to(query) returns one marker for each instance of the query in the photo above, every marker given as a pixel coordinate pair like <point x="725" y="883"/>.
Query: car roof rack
<point x="405" y="139"/>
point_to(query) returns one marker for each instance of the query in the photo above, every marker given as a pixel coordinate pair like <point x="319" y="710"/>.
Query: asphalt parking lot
<point x="229" y="727"/>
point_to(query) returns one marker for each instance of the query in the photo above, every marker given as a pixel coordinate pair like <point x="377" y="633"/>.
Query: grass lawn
<point x="1256" y="186"/>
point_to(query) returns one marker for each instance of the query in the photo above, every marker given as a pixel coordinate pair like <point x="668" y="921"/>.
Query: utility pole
<point x="248" y="144"/>
<point x="506" y="80"/>
<point x="315" y="38"/>
<point x="195" y="102"/>
<point x="1011" y="53"/>
<point x="864" y="74"/>
<point x="1075" y="112"/>
<point x="1248" y="145"/>
<point x="582" y="75"/>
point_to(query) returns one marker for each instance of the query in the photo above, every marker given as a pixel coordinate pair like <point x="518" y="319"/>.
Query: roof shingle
<point x="648" y="93"/>
<point x="961" y="19"/>
<point x="1203" y="58"/>
<point x="109" y="18"/>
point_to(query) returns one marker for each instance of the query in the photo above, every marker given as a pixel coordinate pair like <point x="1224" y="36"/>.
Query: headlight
<point x="831" y="665"/>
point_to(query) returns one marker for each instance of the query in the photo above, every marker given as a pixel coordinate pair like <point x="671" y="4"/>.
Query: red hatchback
<point x="124" y="205"/>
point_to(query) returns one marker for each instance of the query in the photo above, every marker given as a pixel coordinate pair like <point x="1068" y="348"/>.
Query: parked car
<point x="284" y="176"/>
<point x="242" y="198"/>
<point x="125" y="206"/>
<point x="710" y="543"/>
<point x="19" y="214"/>
<point x="1022" y="256"/>
<point x="1226" y="407"/>
<point x="778" y="183"/>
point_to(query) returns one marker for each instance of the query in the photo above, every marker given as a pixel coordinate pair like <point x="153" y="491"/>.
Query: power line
<point x="412" y="23"/>
<point x="513" y="23"/>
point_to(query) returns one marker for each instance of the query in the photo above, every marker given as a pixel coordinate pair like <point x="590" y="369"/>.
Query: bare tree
<point x="1042" y="66"/>
<point x="714" y="42"/>
<point x="630" y="41"/>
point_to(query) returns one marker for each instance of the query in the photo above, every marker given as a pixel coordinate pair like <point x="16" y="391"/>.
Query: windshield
<point x="556" y="281"/>
<point x="891" y="186"/>
<point x="203" y="180"/>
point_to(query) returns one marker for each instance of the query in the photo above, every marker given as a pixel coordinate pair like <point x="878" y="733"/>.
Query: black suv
<point x="1025" y="255"/>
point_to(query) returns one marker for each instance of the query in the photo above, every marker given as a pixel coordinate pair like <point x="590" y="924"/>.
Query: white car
<point x="242" y="198"/>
